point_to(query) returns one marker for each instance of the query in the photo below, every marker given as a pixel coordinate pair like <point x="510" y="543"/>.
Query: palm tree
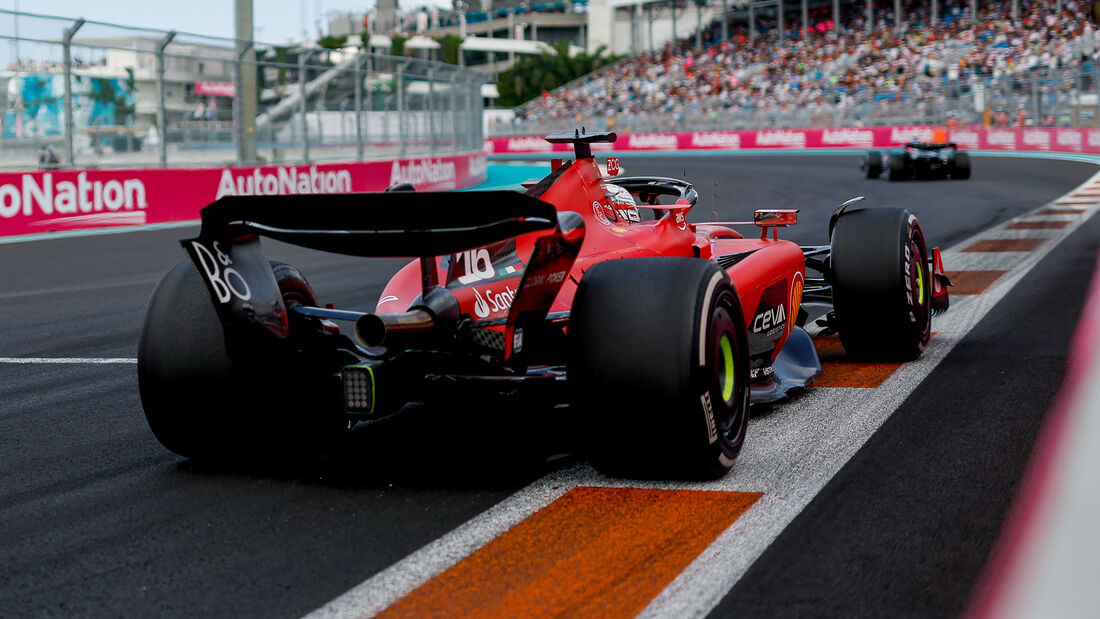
<point x="533" y="75"/>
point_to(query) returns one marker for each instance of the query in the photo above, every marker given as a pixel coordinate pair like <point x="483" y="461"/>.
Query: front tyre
<point x="960" y="167"/>
<point x="882" y="288"/>
<point x="898" y="167"/>
<point x="658" y="368"/>
<point x="872" y="164"/>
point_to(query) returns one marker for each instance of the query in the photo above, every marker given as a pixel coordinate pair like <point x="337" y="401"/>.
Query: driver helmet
<point x="623" y="203"/>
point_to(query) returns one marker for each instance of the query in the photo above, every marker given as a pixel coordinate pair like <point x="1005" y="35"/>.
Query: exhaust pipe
<point x="390" y="330"/>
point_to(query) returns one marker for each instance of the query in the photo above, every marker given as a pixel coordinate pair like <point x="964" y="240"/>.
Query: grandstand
<point x="940" y="63"/>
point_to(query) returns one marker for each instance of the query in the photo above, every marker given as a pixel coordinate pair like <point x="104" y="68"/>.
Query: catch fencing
<point x="77" y="93"/>
<point x="1044" y="96"/>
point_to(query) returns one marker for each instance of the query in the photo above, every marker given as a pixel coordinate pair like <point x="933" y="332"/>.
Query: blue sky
<point x="276" y="21"/>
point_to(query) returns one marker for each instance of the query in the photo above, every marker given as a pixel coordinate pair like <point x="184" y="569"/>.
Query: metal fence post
<point x="67" y="42"/>
<point x="358" y="109"/>
<point x="454" y="111"/>
<point x="302" y="103"/>
<point x="243" y="48"/>
<point x="162" y="122"/>
<point x="431" y="109"/>
<point x="401" y="106"/>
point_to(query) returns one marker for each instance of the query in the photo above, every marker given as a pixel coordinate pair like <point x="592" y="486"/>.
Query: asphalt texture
<point x="906" y="526"/>
<point x="97" y="519"/>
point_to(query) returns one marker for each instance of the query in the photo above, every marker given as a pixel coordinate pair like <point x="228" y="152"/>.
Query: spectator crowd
<point x="914" y="71"/>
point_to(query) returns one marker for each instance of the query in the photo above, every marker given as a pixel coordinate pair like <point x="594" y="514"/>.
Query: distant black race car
<point x="918" y="160"/>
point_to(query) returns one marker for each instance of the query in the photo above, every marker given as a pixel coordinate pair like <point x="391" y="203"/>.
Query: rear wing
<point x="388" y="224"/>
<point x="242" y="285"/>
<point x="582" y="140"/>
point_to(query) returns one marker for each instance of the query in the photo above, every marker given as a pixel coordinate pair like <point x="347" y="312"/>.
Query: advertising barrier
<point x="53" y="200"/>
<point x="1059" y="139"/>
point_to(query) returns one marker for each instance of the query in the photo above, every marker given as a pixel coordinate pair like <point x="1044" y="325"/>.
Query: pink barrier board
<point x="1059" y="139"/>
<point x="46" y="201"/>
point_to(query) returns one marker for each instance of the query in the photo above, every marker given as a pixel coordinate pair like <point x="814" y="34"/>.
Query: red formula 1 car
<point x="591" y="295"/>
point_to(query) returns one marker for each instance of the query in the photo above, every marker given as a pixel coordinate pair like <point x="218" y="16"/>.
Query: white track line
<point x="790" y="455"/>
<point x="66" y="360"/>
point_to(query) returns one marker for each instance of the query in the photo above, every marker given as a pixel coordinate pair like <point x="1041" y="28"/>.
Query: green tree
<point x="331" y="42"/>
<point x="449" y="44"/>
<point x="397" y="45"/>
<point x="533" y="75"/>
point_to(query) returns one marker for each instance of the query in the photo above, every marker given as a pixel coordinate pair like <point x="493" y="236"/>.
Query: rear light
<point x="358" y="383"/>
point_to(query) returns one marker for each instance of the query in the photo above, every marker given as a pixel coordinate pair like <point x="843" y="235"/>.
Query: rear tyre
<point x="658" y="368"/>
<point x="872" y="165"/>
<point x="201" y="403"/>
<point x="899" y="168"/>
<point x="882" y="290"/>
<point x="960" y="169"/>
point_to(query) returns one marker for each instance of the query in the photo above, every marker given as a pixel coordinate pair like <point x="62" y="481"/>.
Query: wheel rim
<point x="726" y="367"/>
<point x="921" y="304"/>
<point x="727" y="387"/>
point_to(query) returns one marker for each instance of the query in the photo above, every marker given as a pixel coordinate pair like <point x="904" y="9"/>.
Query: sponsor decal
<point x="716" y="139"/>
<point x="763" y="372"/>
<point x="966" y="139"/>
<point x="911" y="134"/>
<point x="1037" y="138"/>
<point x="493" y="302"/>
<point x="479" y="166"/>
<point x="387" y="299"/>
<point x="1068" y="138"/>
<point x="481" y="308"/>
<point x="796" y="295"/>
<point x="769" y="320"/>
<point x="284" y="181"/>
<point x="517" y="340"/>
<point x="224" y="279"/>
<point x="612" y="166"/>
<point x="909" y="269"/>
<point x="601" y="212"/>
<point x="215" y="89"/>
<point x="423" y="172"/>
<point x="69" y="198"/>
<point x="545" y="278"/>
<point x="1007" y="139"/>
<point x="652" y="140"/>
<point x="681" y="220"/>
<point x="475" y="265"/>
<point x="708" y="414"/>
<point x="528" y="144"/>
<point x="791" y="139"/>
<point x="855" y="137"/>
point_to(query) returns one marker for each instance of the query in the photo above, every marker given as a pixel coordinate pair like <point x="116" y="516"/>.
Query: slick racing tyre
<point x="899" y="168"/>
<point x="658" y="368"/>
<point x="960" y="168"/>
<point x="872" y="165"/>
<point x="882" y="288"/>
<point x="201" y="403"/>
